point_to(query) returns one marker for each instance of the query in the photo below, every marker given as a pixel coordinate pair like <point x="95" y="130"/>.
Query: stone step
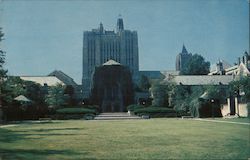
<point x="115" y="116"/>
<point x="114" y="113"/>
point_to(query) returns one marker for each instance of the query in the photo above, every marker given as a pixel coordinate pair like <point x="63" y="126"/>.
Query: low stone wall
<point x="225" y="110"/>
<point x="243" y="110"/>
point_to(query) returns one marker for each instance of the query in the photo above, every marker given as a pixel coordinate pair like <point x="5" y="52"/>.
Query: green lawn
<point x="240" y="120"/>
<point x="125" y="139"/>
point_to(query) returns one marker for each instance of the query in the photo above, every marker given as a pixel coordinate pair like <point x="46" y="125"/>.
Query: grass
<point x="240" y="120"/>
<point x="125" y="139"/>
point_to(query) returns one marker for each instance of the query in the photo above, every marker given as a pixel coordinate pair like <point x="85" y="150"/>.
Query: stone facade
<point x="242" y="68"/>
<point x="99" y="46"/>
<point x="112" y="88"/>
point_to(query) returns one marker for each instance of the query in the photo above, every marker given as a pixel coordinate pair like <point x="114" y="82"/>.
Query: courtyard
<point x="164" y="138"/>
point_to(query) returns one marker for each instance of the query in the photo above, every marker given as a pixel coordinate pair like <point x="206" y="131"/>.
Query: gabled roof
<point x="202" y="79"/>
<point x="111" y="62"/>
<point x="43" y="80"/>
<point x="63" y="77"/>
<point x="22" y="98"/>
<point x="225" y="65"/>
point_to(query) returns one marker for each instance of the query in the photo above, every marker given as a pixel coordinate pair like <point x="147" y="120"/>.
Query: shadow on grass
<point x="32" y="153"/>
<point x="8" y="136"/>
<point x="49" y="129"/>
<point x="55" y="129"/>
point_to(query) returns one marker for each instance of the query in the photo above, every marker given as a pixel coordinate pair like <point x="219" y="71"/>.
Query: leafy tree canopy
<point x="241" y="87"/>
<point x="3" y="72"/>
<point x="196" y="66"/>
<point x="56" y="96"/>
<point x="160" y="94"/>
<point x="144" y="83"/>
<point x="14" y="86"/>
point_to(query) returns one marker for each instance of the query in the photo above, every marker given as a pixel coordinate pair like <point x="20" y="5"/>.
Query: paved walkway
<point x="208" y="120"/>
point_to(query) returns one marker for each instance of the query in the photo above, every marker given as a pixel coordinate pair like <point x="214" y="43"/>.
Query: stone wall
<point x="242" y="110"/>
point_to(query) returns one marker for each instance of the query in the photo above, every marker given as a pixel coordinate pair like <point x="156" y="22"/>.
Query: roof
<point x="63" y="77"/>
<point x="158" y="74"/>
<point x="225" y="65"/>
<point x="22" y="98"/>
<point x="111" y="62"/>
<point x="202" y="79"/>
<point x="238" y="70"/>
<point x="42" y="80"/>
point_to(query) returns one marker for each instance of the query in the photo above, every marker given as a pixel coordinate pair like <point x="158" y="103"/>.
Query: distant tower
<point x="100" y="46"/>
<point x="182" y="59"/>
<point x="119" y="26"/>
<point x="101" y="28"/>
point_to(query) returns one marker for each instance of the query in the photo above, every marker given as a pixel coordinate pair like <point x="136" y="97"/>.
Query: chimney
<point x="219" y="67"/>
<point x="238" y="60"/>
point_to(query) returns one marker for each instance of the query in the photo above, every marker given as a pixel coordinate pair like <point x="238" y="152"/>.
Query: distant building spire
<point x="184" y="50"/>
<point x="101" y="28"/>
<point x="119" y="26"/>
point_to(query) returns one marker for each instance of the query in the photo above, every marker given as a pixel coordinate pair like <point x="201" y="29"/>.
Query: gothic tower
<point x="182" y="59"/>
<point x="100" y="46"/>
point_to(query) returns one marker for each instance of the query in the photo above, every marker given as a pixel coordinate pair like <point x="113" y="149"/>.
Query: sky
<point x="46" y="35"/>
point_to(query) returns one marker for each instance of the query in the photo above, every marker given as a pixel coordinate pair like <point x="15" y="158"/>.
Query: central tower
<point x="100" y="46"/>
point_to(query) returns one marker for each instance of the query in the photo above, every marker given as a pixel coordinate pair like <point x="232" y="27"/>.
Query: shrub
<point x="75" y="111"/>
<point x="133" y="107"/>
<point x="155" y="111"/>
<point x="248" y="108"/>
<point x="94" y="107"/>
<point x="89" y="116"/>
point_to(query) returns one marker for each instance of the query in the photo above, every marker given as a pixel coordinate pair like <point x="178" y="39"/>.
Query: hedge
<point x="76" y="111"/>
<point x="153" y="109"/>
<point x="133" y="107"/>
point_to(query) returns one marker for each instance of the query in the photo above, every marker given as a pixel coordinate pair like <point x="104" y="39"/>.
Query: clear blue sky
<point x="41" y="36"/>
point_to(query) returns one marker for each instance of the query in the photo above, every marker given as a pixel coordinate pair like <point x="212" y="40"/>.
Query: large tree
<point x="56" y="97"/>
<point x="144" y="83"/>
<point x="196" y="66"/>
<point x="241" y="87"/>
<point x="3" y="72"/>
<point x="160" y="95"/>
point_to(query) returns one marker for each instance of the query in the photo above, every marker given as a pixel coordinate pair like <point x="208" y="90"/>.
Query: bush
<point x="156" y="111"/>
<point x="181" y="113"/>
<point x="75" y="111"/>
<point x="89" y="116"/>
<point x="94" y="107"/>
<point x="133" y="107"/>
<point x="248" y="108"/>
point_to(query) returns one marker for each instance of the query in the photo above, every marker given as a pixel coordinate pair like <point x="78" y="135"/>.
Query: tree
<point x="241" y="87"/>
<point x="35" y="92"/>
<point x="69" y="90"/>
<point x="144" y="83"/>
<point x="55" y="97"/>
<point x="3" y="72"/>
<point x="12" y="87"/>
<point x="184" y="97"/>
<point x="216" y="93"/>
<point x="196" y="66"/>
<point x="160" y="95"/>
